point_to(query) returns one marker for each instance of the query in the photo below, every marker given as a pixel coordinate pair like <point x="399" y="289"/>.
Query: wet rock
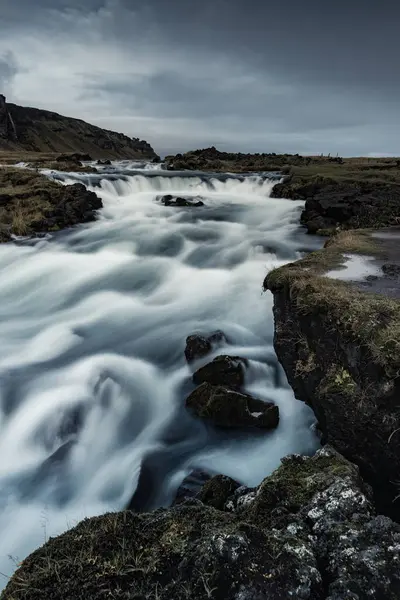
<point x="391" y="270"/>
<point x="217" y="490"/>
<point x="337" y="346"/>
<point x="75" y="204"/>
<point x="223" y="370"/>
<point x="104" y="163"/>
<point x="169" y="200"/>
<point x="308" y="532"/>
<point x="229" y="408"/>
<point x="350" y="203"/>
<point x="198" y="346"/>
<point x="191" y="486"/>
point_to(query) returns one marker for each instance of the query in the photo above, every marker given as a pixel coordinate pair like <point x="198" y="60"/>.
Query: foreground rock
<point x="198" y="346"/>
<point x="223" y="370"/>
<point x="31" y="203"/>
<point x="308" y="532"/>
<point x="229" y="408"/>
<point x="169" y="200"/>
<point x="340" y="347"/>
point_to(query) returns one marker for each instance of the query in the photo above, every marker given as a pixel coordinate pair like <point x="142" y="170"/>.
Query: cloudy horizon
<point x="303" y="77"/>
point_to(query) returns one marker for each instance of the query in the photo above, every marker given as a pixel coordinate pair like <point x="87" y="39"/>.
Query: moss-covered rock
<point x="223" y="370"/>
<point x="346" y="202"/>
<point x="31" y="203"/>
<point x="307" y="532"/>
<point x="340" y="348"/>
<point x="217" y="490"/>
<point x="225" y="407"/>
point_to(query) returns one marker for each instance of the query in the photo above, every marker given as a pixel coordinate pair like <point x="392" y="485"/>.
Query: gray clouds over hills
<point x="296" y="76"/>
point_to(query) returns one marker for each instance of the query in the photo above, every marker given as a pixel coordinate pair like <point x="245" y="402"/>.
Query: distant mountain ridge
<point x="37" y="130"/>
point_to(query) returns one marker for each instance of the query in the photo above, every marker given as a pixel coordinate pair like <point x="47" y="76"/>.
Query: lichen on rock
<point x="309" y="532"/>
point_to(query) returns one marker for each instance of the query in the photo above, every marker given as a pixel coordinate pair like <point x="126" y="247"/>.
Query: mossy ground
<point x="27" y="194"/>
<point x="372" y="320"/>
<point x="191" y="552"/>
<point x="31" y="202"/>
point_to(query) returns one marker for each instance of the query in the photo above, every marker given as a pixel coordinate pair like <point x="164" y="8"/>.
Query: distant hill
<point x="37" y="130"/>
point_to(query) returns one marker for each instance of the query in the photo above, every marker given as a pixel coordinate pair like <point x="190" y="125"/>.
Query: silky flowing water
<point x="93" y="326"/>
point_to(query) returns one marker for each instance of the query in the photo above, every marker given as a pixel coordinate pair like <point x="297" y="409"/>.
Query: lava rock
<point x="191" y="486"/>
<point x="309" y="531"/>
<point x="223" y="370"/>
<point x="229" y="408"/>
<point x="198" y="346"/>
<point x="216" y="491"/>
<point x="75" y="204"/>
<point x="169" y="200"/>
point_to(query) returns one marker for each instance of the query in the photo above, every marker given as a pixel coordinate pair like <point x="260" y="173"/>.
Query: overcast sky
<point x="305" y="76"/>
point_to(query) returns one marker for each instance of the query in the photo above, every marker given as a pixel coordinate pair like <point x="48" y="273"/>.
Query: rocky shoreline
<point x="339" y="193"/>
<point x="309" y="531"/>
<point x="32" y="204"/>
<point x="339" y="344"/>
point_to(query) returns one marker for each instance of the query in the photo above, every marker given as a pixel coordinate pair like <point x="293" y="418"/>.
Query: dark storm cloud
<point x="303" y="76"/>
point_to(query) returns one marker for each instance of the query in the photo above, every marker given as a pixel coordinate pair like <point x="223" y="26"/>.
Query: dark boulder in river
<point x="169" y="200"/>
<point x="229" y="408"/>
<point x="223" y="370"/>
<point x="198" y="346"/>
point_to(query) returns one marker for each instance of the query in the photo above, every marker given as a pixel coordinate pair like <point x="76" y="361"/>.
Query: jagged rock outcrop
<point x="308" y="532"/>
<point x="37" y="130"/>
<point x="339" y="345"/>
<point x="31" y="203"/>
<point x="223" y="370"/>
<point x="199" y="345"/>
<point x="229" y="408"/>
<point x="345" y="203"/>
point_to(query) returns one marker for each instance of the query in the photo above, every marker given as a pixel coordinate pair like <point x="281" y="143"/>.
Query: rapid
<point x="92" y="372"/>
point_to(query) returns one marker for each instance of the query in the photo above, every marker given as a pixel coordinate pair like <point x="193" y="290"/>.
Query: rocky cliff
<point x="339" y="343"/>
<point x="37" y="130"/>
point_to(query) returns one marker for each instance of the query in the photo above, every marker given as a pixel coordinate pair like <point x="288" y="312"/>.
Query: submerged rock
<point x="223" y="370"/>
<point x="198" y="346"/>
<point x="308" y="532"/>
<point x="169" y="200"/>
<point x="230" y="408"/>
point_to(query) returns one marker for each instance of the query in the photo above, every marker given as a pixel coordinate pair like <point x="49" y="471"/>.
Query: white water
<point x="94" y="323"/>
